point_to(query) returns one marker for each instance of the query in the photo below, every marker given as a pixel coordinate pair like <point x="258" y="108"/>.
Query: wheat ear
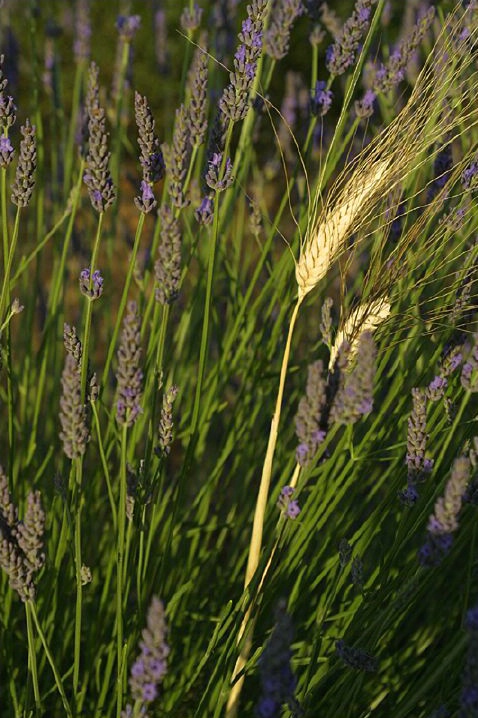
<point x="396" y="152"/>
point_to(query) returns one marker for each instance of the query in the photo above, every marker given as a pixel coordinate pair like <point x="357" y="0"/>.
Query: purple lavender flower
<point x="469" y="175"/>
<point x="191" y="18"/>
<point x="444" y="521"/>
<point x="215" y="179"/>
<point x="74" y="430"/>
<point x="91" y="287"/>
<point x="21" y="542"/>
<point x="321" y="100"/>
<point x="205" y="212"/>
<point x="150" y="667"/>
<point x="289" y="506"/>
<point x="128" y="26"/>
<point x="308" y="420"/>
<point x="97" y="176"/>
<point x="234" y="101"/>
<point x="25" y="175"/>
<point x="469" y="370"/>
<point x="354" y="397"/>
<point x="364" y="107"/>
<point x="436" y="388"/>
<point x="341" y="55"/>
<point x="389" y="75"/>
<point x="417" y="466"/>
<point x="6" y="151"/>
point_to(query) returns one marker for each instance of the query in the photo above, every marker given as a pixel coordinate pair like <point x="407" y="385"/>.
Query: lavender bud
<point x="391" y="74"/>
<point x="151" y="157"/>
<point x="165" y="429"/>
<point x="234" y="101"/>
<point x="74" y="431"/>
<point x="213" y="179"/>
<point x="287" y="504"/>
<point x="469" y="176"/>
<point x="177" y="159"/>
<point x="129" y="375"/>
<point x="321" y="100"/>
<point x="436" y="388"/>
<point x="25" y="175"/>
<point x="417" y="465"/>
<point x="341" y="55"/>
<point x="191" y="18"/>
<point x="197" y="107"/>
<point x="146" y="201"/>
<point x="364" y="107"/>
<point x="21" y="542"/>
<point x="97" y="176"/>
<point x="309" y="415"/>
<point x="356" y="658"/>
<point x="354" y="397"/>
<point x="283" y="16"/>
<point x="205" y="212"/>
<point x="150" y="667"/>
<point x="167" y="268"/>
<point x="30" y="532"/>
<point x="6" y="152"/>
<point x="128" y="26"/>
<point x="7" y="106"/>
<point x="469" y="370"/>
<point x="444" y="521"/>
<point x="91" y="287"/>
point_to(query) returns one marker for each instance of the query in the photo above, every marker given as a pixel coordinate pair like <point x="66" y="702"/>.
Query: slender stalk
<point x="258" y="525"/>
<point x="119" y="572"/>
<point x="51" y="661"/>
<point x="32" y="660"/>
<point x="124" y="295"/>
<point x="79" y="585"/>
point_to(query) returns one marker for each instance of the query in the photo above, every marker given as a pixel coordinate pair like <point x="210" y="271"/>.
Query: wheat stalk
<point x="365" y="318"/>
<point x="398" y="151"/>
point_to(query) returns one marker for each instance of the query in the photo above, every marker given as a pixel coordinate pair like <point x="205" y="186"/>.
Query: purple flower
<point x="321" y="99"/>
<point x="341" y="55"/>
<point x="145" y="683"/>
<point x="129" y="375"/>
<point x="205" y="212"/>
<point x="364" y="107"/>
<point x="128" y="26"/>
<point x="6" y="151"/>
<point x="289" y="506"/>
<point x="93" y="289"/>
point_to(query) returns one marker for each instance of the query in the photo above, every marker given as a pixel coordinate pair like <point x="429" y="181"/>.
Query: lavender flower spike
<point x="276" y="40"/>
<point x="309" y="415"/>
<point x="129" y="375"/>
<point x="167" y="268"/>
<point x="444" y="521"/>
<point x="97" y="176"/>
<point x="25" y="175"/>
<point x="341" y="55"/>
<point x="150" y="667"/>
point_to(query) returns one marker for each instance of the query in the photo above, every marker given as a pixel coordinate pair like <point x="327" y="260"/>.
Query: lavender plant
<point x="211" y="263"/>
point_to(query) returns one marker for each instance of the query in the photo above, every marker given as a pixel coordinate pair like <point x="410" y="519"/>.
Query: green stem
<point x="32" y="659"/>
<point x="79" y="585"/>
<point x="51" y="661"/>
<point x="119" y="570"/>
<point x="124" y="295"/>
